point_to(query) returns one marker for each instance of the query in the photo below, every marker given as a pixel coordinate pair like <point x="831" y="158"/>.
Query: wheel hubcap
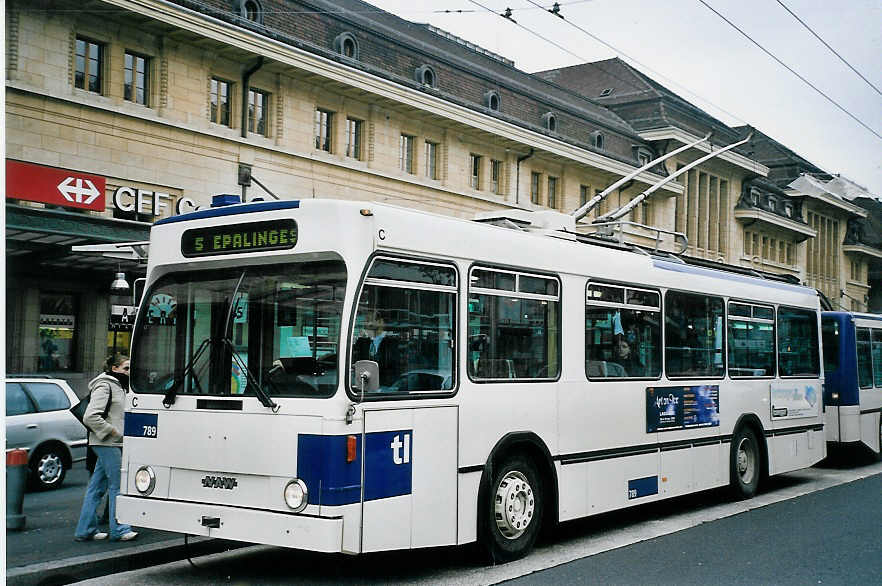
<point x="746" y="461"/>
<point x="514" y="505"/>
<point x="50" y="468"/>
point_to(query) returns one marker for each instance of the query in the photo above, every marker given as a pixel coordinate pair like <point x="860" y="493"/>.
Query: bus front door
<point x="410" y="478"/>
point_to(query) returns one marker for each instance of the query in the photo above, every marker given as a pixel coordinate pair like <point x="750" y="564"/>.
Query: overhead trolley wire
<point x="790" y="69"/>
<point x="832" y="50"/>
<point x="646" y="67"/>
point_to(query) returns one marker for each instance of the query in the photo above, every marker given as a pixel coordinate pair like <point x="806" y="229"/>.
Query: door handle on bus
<point x="33" y="426"/>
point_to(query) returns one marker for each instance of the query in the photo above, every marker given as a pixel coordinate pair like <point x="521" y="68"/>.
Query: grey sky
<point x="685" y="42"/>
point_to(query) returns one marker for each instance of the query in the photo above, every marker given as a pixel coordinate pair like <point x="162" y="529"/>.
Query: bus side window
<point x="798" y="342"/>
<point x="514" y="326"/>
<point x="830" y="341"/>
<point x="406" y="324"/>
<point x="877" y="357"/>
<point x="864" y="358"/>
<point x="751" y="340"/>
<point x="693" y="335"/>
<point x="622" y="332"/>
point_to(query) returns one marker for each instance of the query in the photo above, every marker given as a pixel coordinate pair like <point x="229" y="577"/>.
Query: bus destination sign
<point x="239" y="238"/>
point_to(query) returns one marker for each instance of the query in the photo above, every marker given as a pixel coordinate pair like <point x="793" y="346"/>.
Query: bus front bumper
<point x="252" y="526"/>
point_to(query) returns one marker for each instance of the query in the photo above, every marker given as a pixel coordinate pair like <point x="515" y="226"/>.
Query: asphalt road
<point x="820" y="524"/>
<point x="51" y="519"/>
<point x="832" y="536"/>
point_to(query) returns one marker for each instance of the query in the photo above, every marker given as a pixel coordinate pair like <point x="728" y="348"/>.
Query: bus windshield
<point x="225" y="331"/>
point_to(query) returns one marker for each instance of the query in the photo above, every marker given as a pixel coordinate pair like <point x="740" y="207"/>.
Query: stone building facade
<point x="159" y="105"/>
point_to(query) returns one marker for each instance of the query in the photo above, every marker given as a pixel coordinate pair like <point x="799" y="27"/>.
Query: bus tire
<point x="744" y="464"/>
<point x="514" y="508"/>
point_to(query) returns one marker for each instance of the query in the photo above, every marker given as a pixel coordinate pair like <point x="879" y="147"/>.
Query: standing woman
<point x="104" y="419"/>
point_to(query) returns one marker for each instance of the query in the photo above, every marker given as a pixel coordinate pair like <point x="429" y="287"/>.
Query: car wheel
<point x="47" y="468"/>
<point x="513" y="513"/>
<point x="744" y="473"/>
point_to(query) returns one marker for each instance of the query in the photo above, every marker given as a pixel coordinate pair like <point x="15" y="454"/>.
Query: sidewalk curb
<point x="75" y="569"/>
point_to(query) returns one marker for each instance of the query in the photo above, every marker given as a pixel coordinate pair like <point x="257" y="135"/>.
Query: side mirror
<point x="367" y="376"/>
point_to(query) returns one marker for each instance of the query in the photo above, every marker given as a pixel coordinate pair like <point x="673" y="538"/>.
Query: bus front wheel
<point x="745" y="460"/>
<point x="514" y="510"/>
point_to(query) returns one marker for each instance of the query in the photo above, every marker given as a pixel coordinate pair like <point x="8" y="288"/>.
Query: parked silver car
<point x="38" y="419"/>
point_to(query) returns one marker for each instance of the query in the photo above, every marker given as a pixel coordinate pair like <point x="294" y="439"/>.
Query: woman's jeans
<point x="105" y="478"/>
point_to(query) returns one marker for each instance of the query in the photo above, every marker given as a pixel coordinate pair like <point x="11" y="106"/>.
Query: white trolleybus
<point x="348" y="377"/>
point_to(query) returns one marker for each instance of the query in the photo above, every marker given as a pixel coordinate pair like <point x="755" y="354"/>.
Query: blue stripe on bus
<point x="233" y="210"/>
<point x="322" y="465"/>
<point x="332" y="481"/>
<point x="693" y="270"/>
<point x="641" y="487"/>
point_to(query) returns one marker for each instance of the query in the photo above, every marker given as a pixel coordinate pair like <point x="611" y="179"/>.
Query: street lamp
<point x="119" y="285"/>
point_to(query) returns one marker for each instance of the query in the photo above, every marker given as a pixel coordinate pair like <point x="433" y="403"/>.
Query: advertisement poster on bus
<point x="673" y="408"/>
<point x="794" y="400"/>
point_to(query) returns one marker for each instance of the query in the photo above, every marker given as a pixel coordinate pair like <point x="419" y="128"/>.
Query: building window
<point x="534" y="187"/>
<point x="474" y="171"/>
<point x="552" y="192"/>
<point x="598" y="140"/>
<point x="549" y="120"/>
<point x="431" y="159"/>
<point x="495" y="176"/>
<point x="249" y="10"/>
<point x="354" y="129"/>
<point x="57" y="332"/>
<point x="220" y="101"/>
<point x="405" y="153"/>
<point x="323" y="120"/>
<point x="137" y="78"/>
<point x="703" y="212"/>
<point x="258" y="110"/>
<point x="584" y="194"/>
<point x="822" y="255"/>
<point x="347" y="45"/>
<point x="89" y="65"/>
<point x="491" y="100"/>
<point x="425" y="75"/>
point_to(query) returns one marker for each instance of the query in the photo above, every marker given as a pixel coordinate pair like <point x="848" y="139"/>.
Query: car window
<point x="17" y="402"/>
<point x="49" y="396"/>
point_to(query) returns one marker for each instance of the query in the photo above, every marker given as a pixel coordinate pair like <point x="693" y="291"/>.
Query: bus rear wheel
<point x="744" y="472"/>
<point x="513" y="513"/>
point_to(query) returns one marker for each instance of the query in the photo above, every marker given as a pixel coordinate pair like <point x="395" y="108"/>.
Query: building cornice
<point x="672" y="132"/>
<point x="775" y="220"/>
<point x="830" y="200"/>
<point x="221" y="32"/>
<point x="862" y="249"/>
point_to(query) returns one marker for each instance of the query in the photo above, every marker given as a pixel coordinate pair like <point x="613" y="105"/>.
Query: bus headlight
<point x="145" y="480"/>
<point x="296" y="495"/>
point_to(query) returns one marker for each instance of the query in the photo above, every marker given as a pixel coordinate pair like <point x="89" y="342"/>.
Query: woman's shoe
<point x="129" y="536"/>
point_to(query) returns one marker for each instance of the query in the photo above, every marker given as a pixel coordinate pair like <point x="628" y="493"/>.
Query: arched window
<point x="549" y="120"/>
<point x="249" y="10"/>
<point x="347" y="45"/>
<point x="425" y="75"/>
<point x="491" y="100"/>
<point x="598" y="139"/>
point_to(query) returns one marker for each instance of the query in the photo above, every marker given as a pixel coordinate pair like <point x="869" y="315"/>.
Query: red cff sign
<point x="54" y="186"/>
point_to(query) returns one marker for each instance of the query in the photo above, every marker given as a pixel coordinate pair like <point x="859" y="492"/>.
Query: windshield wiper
<point x="264" y="399"/>
<point x="170" y="395"/>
